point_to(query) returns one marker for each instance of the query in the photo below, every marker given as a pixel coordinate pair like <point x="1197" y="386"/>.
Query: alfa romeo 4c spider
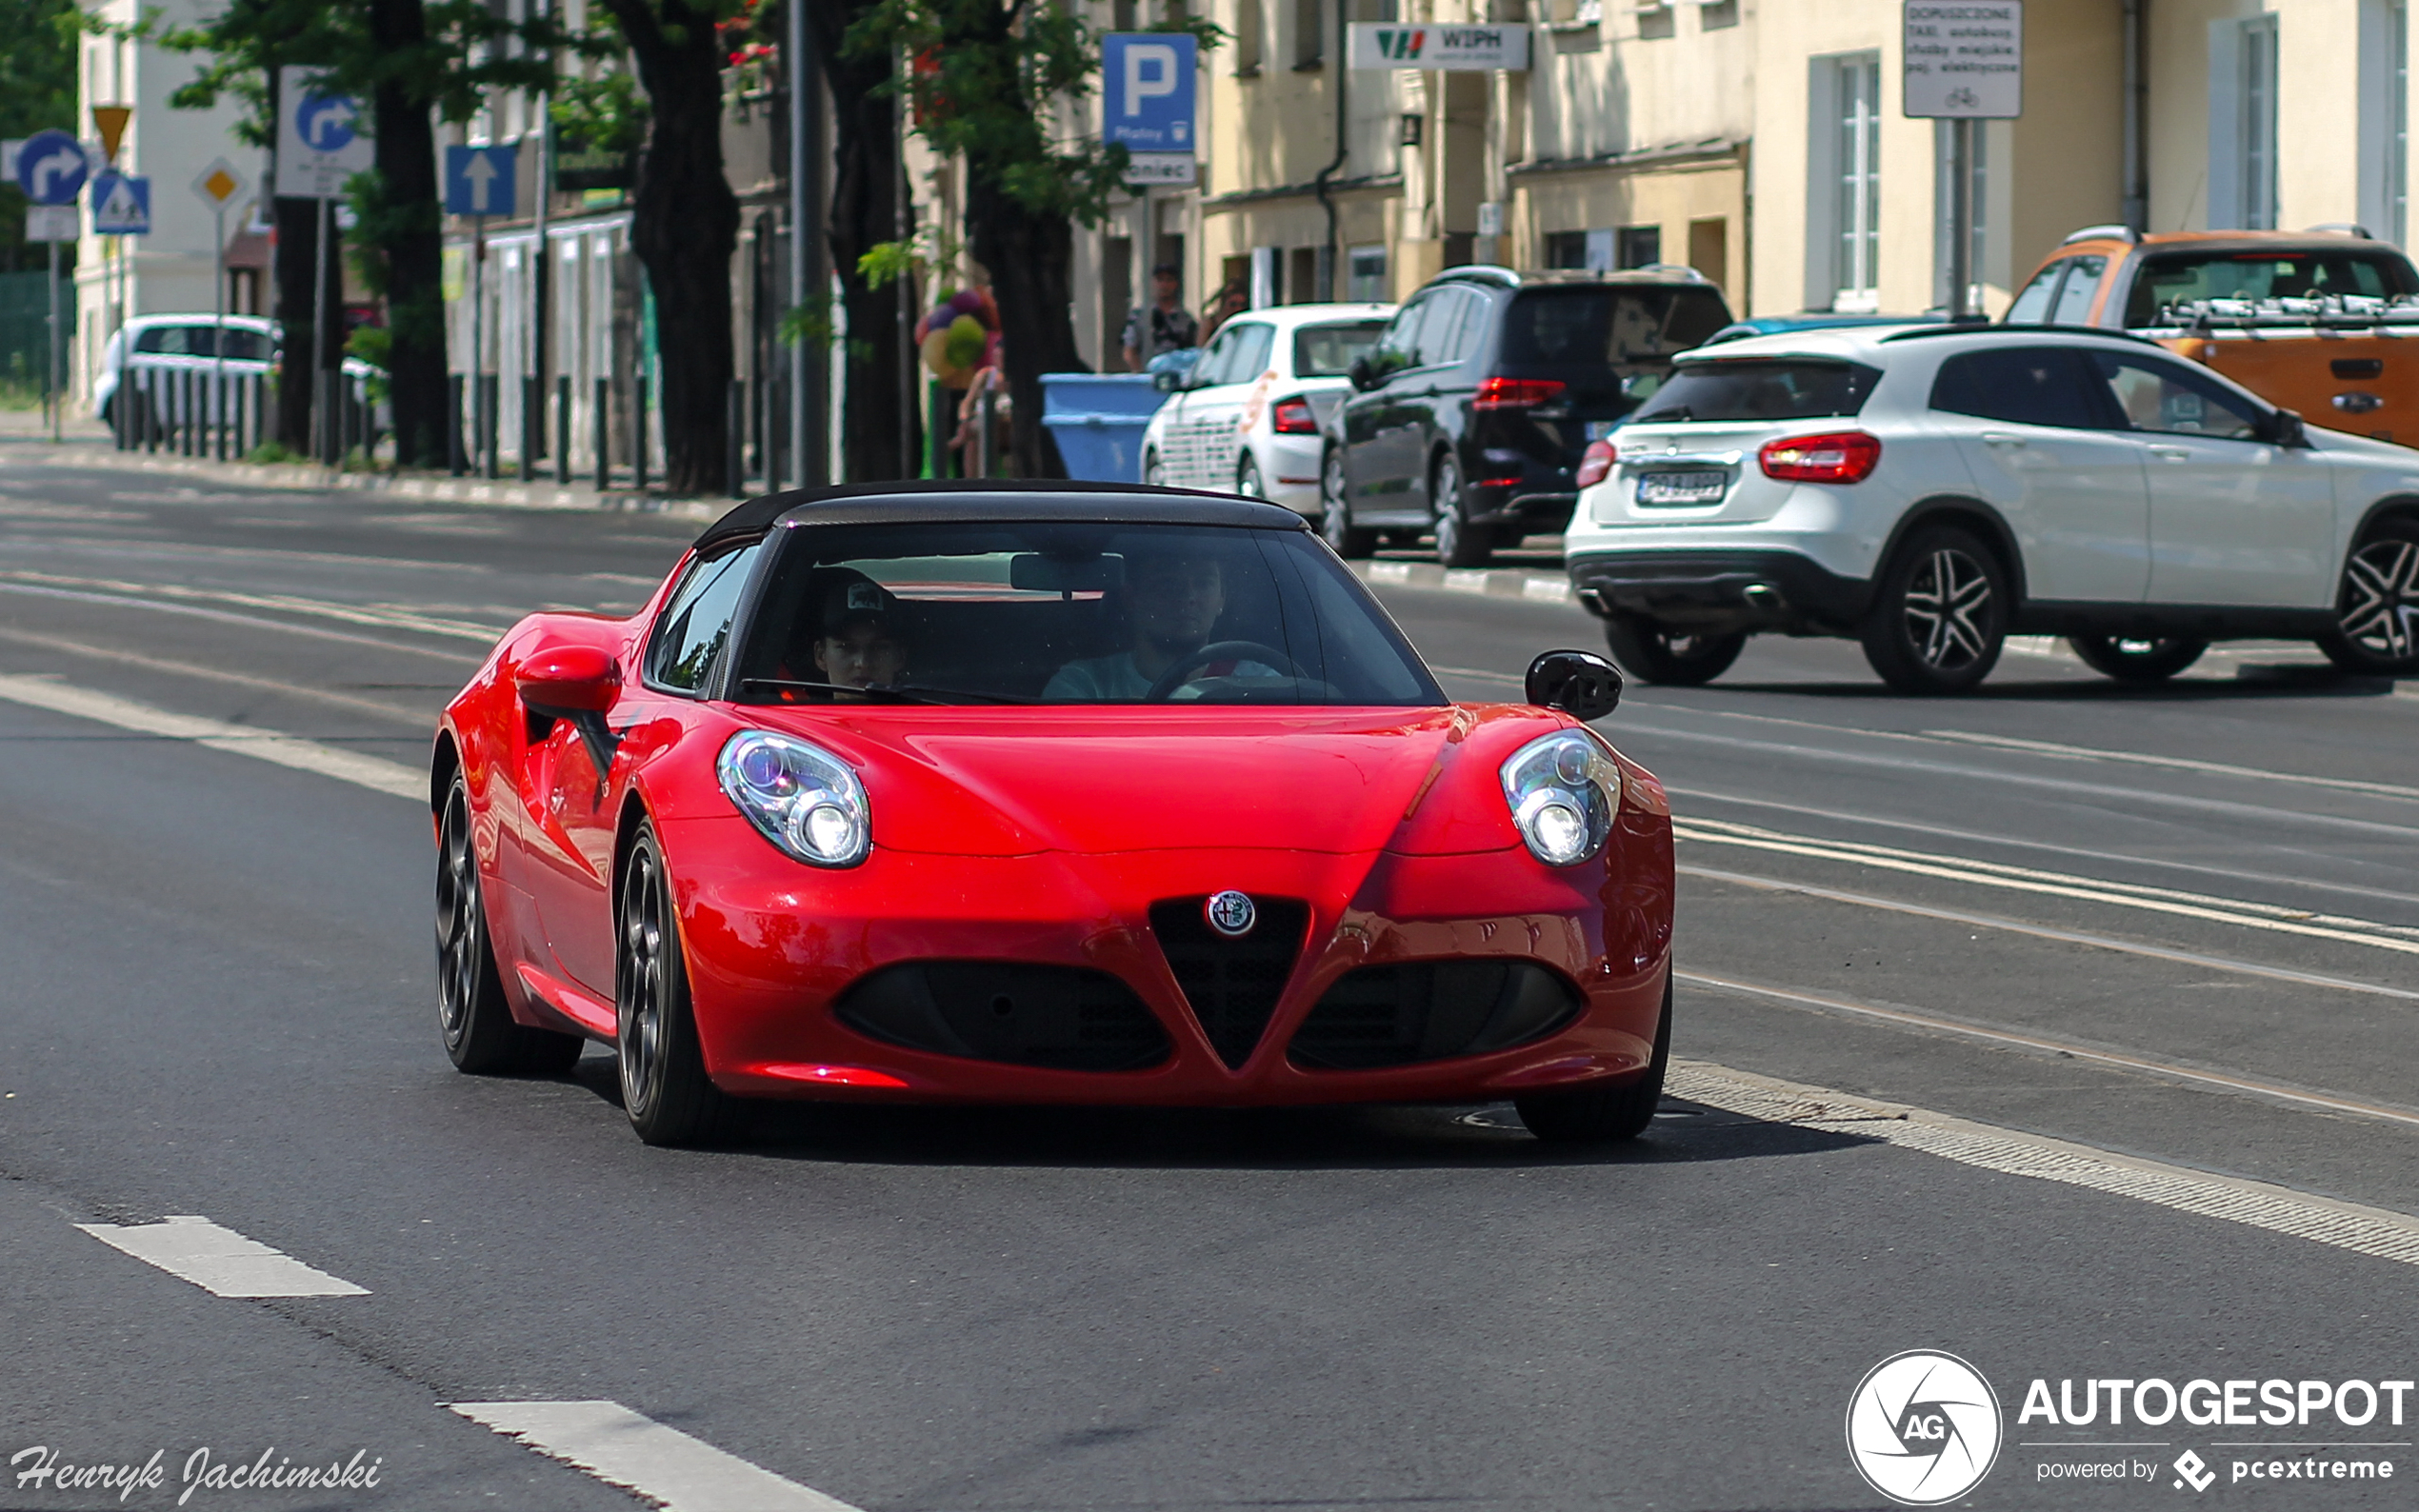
<point x="1042" y="793"/>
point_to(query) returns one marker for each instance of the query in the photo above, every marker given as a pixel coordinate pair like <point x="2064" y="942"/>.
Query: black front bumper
<point x="1721" y="592"/>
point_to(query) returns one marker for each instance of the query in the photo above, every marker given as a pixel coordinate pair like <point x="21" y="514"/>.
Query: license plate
<point x="1682" y="487"/>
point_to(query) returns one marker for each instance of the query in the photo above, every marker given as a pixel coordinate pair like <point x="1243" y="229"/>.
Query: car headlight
<point x="799" y="796"/>
<point x="1564" y="792"/>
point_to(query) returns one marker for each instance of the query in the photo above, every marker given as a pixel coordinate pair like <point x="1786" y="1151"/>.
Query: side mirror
<point x="1581" y="684"/>
<point x="2287" y="429"/>
<point x="1361" y="376"/>
<point x="569" y="680"/>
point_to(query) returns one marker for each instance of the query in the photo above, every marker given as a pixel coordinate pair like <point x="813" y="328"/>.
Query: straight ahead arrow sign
<point x="481" y="173"/>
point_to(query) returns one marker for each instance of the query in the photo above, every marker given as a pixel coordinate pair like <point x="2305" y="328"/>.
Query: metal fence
<point x="25" y="312"/>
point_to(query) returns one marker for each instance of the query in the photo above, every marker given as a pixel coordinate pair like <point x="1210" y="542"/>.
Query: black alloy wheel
<point x="1247" y="478"/>
<point x="1654" y="652"/>
<point x="1336" y="524"/>
<point x="1459" y="544"/>
<point x="2377" y="614"/>
<point x="1940" y="614"/>
<point x="474" y="1017"/>
<point x="1604" y="1115"/>
<point x="665" y="1090"/>
<point x="2137" y="658"/>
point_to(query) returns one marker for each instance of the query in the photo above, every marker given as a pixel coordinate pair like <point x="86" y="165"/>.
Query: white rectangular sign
<point x="1963" y="59"/>
<point x="1159" y="168"/>
<point x="1410" y="45"/>
<point x="50" y="223"/>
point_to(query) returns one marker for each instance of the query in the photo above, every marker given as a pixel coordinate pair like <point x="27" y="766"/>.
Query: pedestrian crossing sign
<point x="121" y="205"/>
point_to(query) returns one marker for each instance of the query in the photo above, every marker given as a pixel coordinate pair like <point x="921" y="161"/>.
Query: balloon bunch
<point x="961" y="337"/>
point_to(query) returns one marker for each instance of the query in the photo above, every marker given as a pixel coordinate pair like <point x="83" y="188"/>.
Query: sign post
<point x="480" y="182"/>
<point x="1964" y="63"/>
<point x="317" y="150"/>
<point x="51" y="168"/>
<point x="217" y="185"/>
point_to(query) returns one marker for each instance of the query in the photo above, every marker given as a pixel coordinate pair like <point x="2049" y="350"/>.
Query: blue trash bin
<point x="1098" y="420"/>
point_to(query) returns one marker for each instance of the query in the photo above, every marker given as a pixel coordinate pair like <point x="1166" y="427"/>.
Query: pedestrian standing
<point x="1164" y="325"/>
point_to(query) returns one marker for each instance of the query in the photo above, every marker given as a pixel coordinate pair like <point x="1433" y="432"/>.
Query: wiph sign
<point x="1402" y="45"/>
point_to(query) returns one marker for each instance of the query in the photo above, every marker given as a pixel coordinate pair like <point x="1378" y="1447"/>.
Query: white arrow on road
<point x="481" y="173"/>
<point x="58" y="165"/>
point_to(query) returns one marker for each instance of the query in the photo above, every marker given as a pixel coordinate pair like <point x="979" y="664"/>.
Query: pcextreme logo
<point x="1923" y="1427"/>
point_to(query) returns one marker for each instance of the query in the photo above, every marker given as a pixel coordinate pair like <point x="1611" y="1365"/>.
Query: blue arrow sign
<point x="479" y="180"/>
<point x="1146" y="89"/>
<point x="121" y="205"/>
<point x="51" y="168"/>
<point x="325" y="122"/>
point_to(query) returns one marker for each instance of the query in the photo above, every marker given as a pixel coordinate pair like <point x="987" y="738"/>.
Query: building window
<point x="1246" y="38"/>
<point x="1717" y="14"/>
<point x="1309" y="35"/>
<point x="1856" y="157"/>
<point x="1366" y="277"/>
<point x="1566" y="248"/>
<point x="1637" y="245"/>
<point x="2259" y="124"/>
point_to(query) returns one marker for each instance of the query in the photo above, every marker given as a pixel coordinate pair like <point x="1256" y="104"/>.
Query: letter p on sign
<point x="1151" y="72"/>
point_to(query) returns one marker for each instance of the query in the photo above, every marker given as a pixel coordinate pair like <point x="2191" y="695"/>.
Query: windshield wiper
<point x="894" y="693"/>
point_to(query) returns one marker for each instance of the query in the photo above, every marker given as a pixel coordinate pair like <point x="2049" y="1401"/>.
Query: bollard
<point x="562" y="428"/>
<point x="638" y="433"/>
<point x="734" y="451"/>
<point x="532" y="424"/>
<point x="600" y="412"/>
<point x="491" y="422"/>
<point x="456" y="455"/>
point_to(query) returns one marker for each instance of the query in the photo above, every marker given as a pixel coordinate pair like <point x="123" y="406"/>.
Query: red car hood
<point x="1015" y="782"/>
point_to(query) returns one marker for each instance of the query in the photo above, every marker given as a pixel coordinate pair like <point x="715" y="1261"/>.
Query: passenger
<point x="859" y="642"/>
<point x="1173" y="604"/>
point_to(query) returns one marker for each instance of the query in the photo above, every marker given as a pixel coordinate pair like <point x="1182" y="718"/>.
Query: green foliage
<point x="987" y="83"/>
<point x="272" y="452"/>
<point x="37" y="91"/>
<point x="607" y="113"/>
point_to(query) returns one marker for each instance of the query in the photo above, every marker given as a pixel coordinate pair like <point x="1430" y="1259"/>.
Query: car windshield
<point x="1548" y="327"/>
<point x="2172" y="279"/>
<point x="1070" y="613"/>
<point x="1327" y="351"/>
<point x="204" y="341"/>
<point x="1784" y="389"/>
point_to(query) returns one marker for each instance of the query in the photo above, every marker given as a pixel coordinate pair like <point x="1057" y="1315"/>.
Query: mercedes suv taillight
<point x="1294" y="417"/>
<point x="1516" y="393"/>
<point x="1595" y="463"/>
<point x="1835" y="457"/>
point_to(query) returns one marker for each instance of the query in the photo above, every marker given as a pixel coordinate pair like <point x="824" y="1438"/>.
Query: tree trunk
<point x="1028" y="257"/>
<point x="414" y="248"/>
<point x="684" y="226"/>
<point x="297" y="250"/>
<point x="864" y="211"/>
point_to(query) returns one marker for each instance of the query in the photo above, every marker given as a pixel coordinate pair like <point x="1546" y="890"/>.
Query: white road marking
<point x="2042" y="747"/>
<point x="2274" y="1091"/>
<point x="220" y="1259"/>
<point x="375" y="774"/>
<point x="1984" y="921"/>
<point x="640" y="1455"/>
<point x="286" y="603"/>
<point x="195" y="612"/>
<point x="2087" y="889"/>
<point x="266" y="684"/>
<point x="2278" y="1209"/>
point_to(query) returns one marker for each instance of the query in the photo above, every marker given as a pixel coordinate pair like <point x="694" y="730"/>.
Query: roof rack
<point x="2102" y="233"/>
<point x="2032" y="333"/>
<point x="2343" y="229"/>
<point x="2318" y="312"/>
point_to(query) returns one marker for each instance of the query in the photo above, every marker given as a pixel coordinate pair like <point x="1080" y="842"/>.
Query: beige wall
<point x="2066" y="163"/>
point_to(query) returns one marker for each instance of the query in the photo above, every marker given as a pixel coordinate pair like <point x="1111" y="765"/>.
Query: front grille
<point x="1430" y="1010"/>
<point x="1062" y="1018"/>
<point x="1232" y="985"/>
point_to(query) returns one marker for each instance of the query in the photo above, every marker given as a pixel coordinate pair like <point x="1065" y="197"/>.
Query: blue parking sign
<point x="1146" y="89"/>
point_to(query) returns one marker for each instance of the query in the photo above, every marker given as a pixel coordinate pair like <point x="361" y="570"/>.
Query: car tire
<point x="2137" y="659"/>
<point x="1602" y="1114"/>
<point x="1247" y="478"/>
<point x="1657" y="653"/>
<point x="1335" y="521"/>
<point x="474" y="1019"/>
<point x="1459" y="544"/>
<point x="2378" y="611"/>
<point x="665" y="1090"/>
<point x="1153" y="471"/>
<point x="1940" y="613"/>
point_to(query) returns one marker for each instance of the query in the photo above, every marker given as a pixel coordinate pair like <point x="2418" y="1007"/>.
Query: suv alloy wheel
<point x="1335" y="523"/>
<point x="2377" y="614"/>
<point x="2137" y="658"/>
<point x="1459" y="544"/>
<point x="1939" y="614"/>
<point x="1657" y="653"/>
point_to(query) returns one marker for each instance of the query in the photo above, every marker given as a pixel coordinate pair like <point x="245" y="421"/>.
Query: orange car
<point x="2323" y="322"/>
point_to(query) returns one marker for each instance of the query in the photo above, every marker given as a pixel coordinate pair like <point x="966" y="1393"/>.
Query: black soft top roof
<point x="978" y="499"/>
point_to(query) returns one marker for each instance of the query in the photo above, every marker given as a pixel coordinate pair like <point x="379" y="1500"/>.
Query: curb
<point x="313" y="478"/>
<point x="1494" y="583"/>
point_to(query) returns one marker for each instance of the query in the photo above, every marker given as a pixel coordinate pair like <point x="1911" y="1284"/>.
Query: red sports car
<point x="1042" y="793"/>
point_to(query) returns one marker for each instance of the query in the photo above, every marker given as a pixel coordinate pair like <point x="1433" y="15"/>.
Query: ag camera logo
<point x="1923" y="1427"/>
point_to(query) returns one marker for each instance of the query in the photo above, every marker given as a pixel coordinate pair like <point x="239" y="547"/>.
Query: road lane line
<point x="375" y="774"/>
<point x="632" y="1452"/>
<point x="1984" y="921"/>
<point x="220" y="1259"/>
<point x="2361" y="1229"/>
<point x="2276" y="1091"/>
<point x="285" y="603"/>
<point x="2042" y="747"/>
<point x="1978" y="837"/>
<point x="1990" y="874"/>
<point x="248" y="620"/>
<point x="267" y="685"/>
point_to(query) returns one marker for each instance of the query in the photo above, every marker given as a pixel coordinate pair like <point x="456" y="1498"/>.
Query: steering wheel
<point x="1176" y="676"/>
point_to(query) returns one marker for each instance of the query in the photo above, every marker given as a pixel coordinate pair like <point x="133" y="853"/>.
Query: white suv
<point x="1930" y="489"/>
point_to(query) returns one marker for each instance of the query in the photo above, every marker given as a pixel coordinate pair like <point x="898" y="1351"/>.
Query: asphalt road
<point x="2140" y="964"/>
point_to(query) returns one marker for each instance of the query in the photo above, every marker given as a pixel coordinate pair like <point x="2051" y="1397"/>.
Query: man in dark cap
<point x="1164" y="325"/>
<point x="858" y="640"/>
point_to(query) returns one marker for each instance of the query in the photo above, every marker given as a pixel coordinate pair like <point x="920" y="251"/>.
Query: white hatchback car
<point x="1930" y="489"/>
<point x="1248" y="417"/>
<point x="160" y="350"/>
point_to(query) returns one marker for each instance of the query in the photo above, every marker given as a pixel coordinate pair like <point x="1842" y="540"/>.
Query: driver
<point x="858" y="639"/>
<point x="1173" y="604"/>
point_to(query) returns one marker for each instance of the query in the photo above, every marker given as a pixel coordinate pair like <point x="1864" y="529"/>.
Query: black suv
<point x="1472" y="413"/>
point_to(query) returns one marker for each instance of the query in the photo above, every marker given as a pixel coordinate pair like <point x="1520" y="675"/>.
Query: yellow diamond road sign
<point x="218" y="184"/>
